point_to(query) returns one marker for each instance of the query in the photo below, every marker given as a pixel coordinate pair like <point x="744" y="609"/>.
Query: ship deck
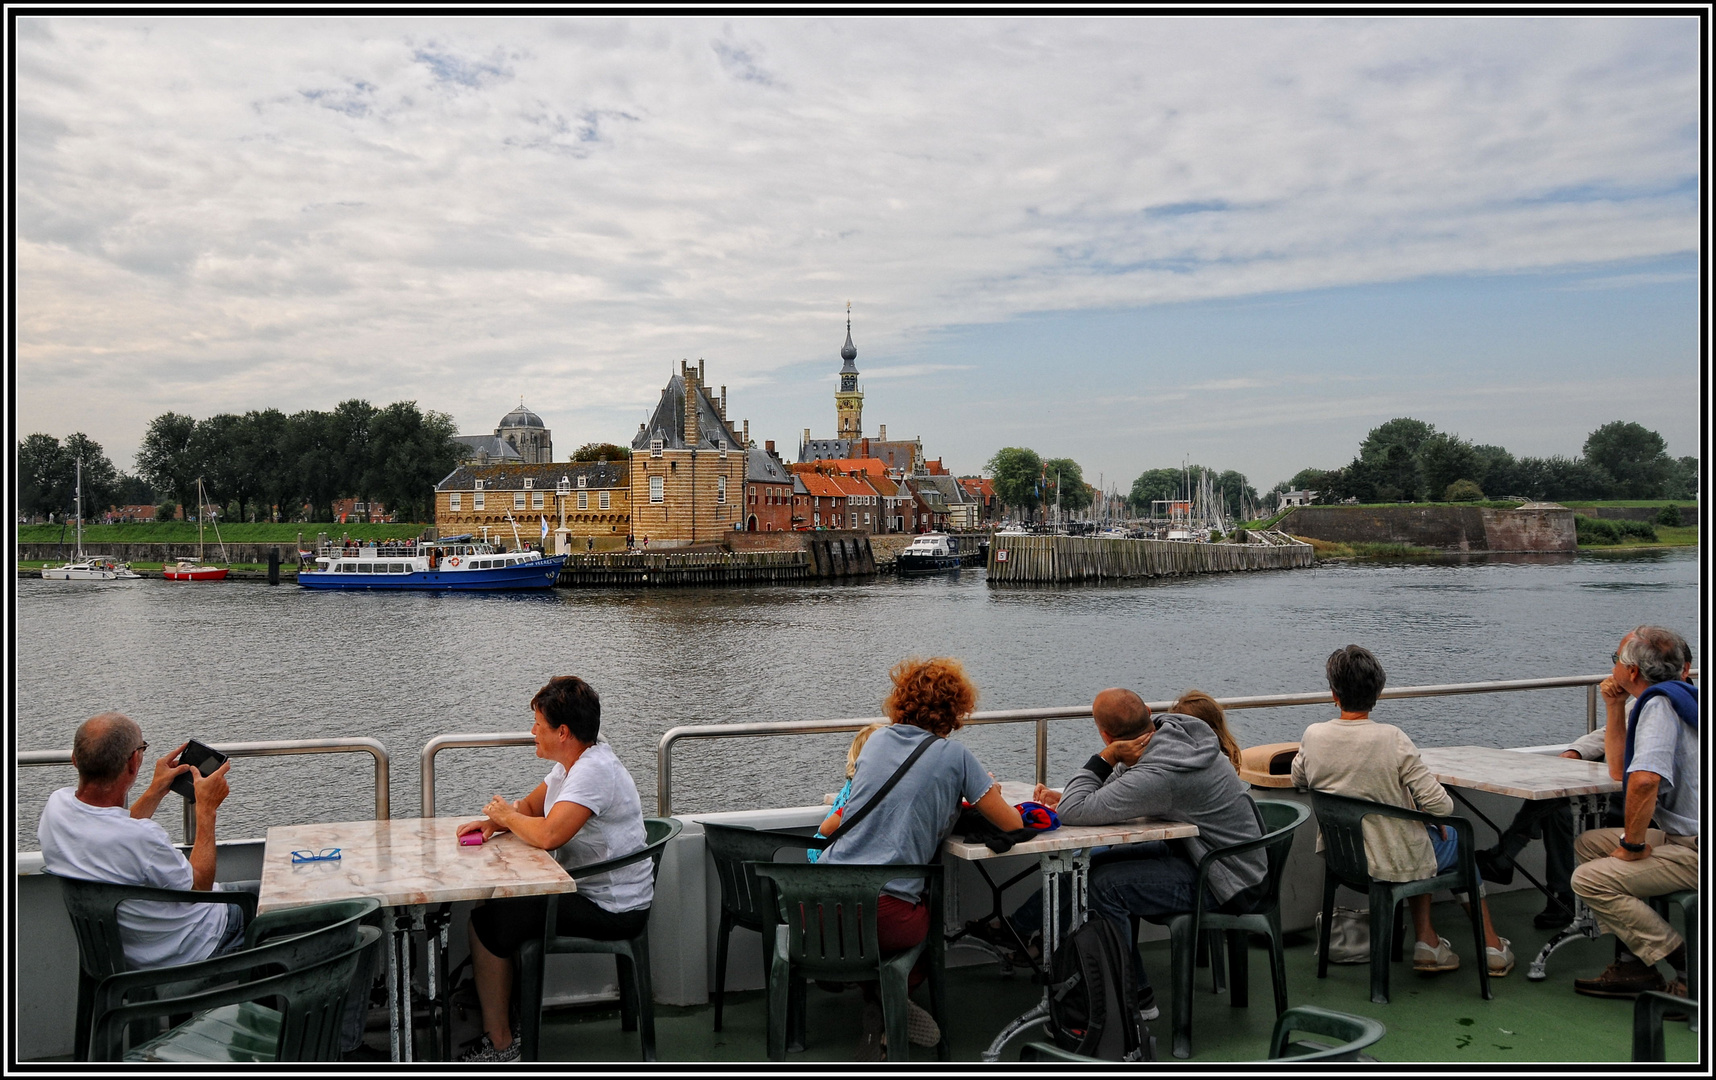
<point x="1437" y="1018"/>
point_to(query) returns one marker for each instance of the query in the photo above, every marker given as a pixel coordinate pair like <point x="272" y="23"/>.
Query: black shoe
<point x="1558" y="913"/>
<point x="1147" y="1007"/>
<point x="1493" y="866"/>
<point x="999" y="938"/>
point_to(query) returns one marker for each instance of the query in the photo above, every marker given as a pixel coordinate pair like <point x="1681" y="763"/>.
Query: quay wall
<point x="1688" y="512"/>
<point x="148" y="553"/>
<point x="1450" y="528"/>
<point x="1079" y="558"/>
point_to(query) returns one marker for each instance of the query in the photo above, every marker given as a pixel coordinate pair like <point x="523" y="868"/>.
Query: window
<point x="602" y="500"/>
<point x="720" y="490"/>
<point x="453" y="502"/>
<point x="721" y="444"/>
<point x="655" y="489"/>
<point x="866" y="519"/>
<point x="360" y="508"/>
<point x="816" y="519"/>
<point x="654" y="450"/>
<point x="529" y="483"/>
<point x="583" y="481"/>
<point x="518" y="500"/>
<point x="535" y="499"/>
<point x="477" y="499"/>
<point x="479" y="485"/>
<point x="583" y="500"/>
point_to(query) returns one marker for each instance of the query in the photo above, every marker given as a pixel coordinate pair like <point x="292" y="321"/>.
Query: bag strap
<point x="849" y="820"/>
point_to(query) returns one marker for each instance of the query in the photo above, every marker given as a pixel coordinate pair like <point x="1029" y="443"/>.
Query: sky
<point x="1131" y="241"/>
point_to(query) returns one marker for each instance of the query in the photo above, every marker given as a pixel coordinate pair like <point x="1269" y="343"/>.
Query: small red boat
<point x="188" y="570"/>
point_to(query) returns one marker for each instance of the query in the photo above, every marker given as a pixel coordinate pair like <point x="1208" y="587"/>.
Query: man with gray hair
<point x="1652" y="748"/>
<point x="87" y="832"/>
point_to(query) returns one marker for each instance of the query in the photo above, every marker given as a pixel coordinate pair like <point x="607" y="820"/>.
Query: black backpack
<point x="1092" y="1007"/>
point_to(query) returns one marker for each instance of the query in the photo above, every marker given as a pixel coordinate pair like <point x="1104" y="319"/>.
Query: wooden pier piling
<point x="1053" y="559"/>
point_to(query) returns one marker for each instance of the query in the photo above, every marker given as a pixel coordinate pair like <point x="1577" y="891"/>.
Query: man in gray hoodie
<point x="1169" y="767"/>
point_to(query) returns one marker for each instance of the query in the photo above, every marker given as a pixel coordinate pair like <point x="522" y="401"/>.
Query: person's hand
<point x="1574" y="754"/>
<point x="482" y="825"/>
<point x="167" y="769"/>
<point x="1630" y="856"/>
<point x="211" y="789"/>
<point x="1612" y="691"/>
<point x="1046" y="795"/>
<point x="1126" y="751"/>
<point x="499" y="812"/>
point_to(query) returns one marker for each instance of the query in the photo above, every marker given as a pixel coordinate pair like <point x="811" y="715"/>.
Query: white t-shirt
<point x="105" y="843"/>
<point x="600" y="784"/>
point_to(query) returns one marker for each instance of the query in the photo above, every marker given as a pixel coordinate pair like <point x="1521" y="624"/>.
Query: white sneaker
<point x="921" y="1026"/>
<point x="1440" y="958"/>
<point x="485" y="1052"/>
<point x="1500" y="960"/>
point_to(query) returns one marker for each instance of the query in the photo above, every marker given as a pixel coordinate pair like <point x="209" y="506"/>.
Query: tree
<point x="1462" y="491"/>
<point x="1635" y="458"/>
<point x="1498" y="472"/>
<point x="261" y="449"/>
<point x="133" y="491"/>
<point x="601" y="451"/>
<point x="309" y="461"/>
<point x="1682" y="482"/>
<point x="219" y="443"/>
<point x="1561" y="478"/>
<point x="100" y="478"/>
<point x="167" y="458"/>
<point x="1155" y="484"/>
<point x="410" y="453"/>
<point x="1074" y="492"/>
<point x="1402" y="431"/>
<point x="1016" y="471"/>
<point x="42" y="482"/>
<point x="1444" y="458"/>
<point x="1236" y="493"/>
<point x="354" y="470"/>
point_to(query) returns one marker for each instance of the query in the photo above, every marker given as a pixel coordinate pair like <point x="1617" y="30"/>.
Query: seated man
<point x="1170" y="767"/>
<point x="1552" y="820"/>
<point x="1653" y="749"/>
<point x="1357" y="757"/>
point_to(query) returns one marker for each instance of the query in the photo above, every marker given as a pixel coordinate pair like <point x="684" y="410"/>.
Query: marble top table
<point x="402" y="862"/>
<point x="1070" y="836"/>
<point x="1510" y="772"/>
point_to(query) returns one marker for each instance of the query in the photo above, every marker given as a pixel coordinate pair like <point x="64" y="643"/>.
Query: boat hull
<point x="540" y="574"/>
<point x="915" y="565"/>
<point x="74" y="573"/>
<point x="206" y="573"/>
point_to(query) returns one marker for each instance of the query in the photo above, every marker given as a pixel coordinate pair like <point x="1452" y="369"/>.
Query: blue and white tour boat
<point x="455" y="562"/>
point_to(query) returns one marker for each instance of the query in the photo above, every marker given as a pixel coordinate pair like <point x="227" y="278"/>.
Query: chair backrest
<point x="1648" y="1013"/>
<point x="1280" y="821"/>
<point x="657" y="832"/>
<point x="93" y="907"/>
<point x="312" y="997"/>
<point x="830" y="911"/>
<point x="320" y="919"/>
<point x="1342" y="822"/>
<point x="1354" y="1032"/>
<point x="743" y="894"/>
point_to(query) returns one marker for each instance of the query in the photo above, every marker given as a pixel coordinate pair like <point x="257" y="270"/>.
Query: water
<point x="246" y="661"/>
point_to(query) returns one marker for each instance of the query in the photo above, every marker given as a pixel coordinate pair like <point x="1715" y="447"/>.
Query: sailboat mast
<point x="79" y="510"/>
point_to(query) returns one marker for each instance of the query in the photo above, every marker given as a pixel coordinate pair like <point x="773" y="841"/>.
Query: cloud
<point x="234" y="213"/>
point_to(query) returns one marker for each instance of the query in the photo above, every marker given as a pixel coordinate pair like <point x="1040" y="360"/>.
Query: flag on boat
<point x="545" y="527"/>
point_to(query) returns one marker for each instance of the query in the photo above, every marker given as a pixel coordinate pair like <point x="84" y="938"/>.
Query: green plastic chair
<point x="307" y="961"/>
<point x="1280" y="820"/>
<point x="1355" y="1032"/>
<point x="746" y="899"/>
<point x="631" y="955"/>
<point x="1648" y="1013"/>
<point x="93" y="909"/>
<point x="827" y="930"/>
<point x="1341" y="820"/>
<point x="1687" y="901"/>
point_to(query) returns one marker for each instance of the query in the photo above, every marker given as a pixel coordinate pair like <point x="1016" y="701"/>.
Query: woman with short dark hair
<point x="586" y="811"/>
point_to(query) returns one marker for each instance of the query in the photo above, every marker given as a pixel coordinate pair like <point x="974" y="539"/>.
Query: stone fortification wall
<point x="831" y="552"/>
<point x="1450" y="528"/>
<point x="1688" y="512"/>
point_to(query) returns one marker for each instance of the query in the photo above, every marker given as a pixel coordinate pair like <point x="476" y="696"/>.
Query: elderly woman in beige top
<point x="1357" y="757"/>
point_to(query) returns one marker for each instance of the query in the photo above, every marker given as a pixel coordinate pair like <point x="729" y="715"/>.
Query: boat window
<point x="400" y="568"/>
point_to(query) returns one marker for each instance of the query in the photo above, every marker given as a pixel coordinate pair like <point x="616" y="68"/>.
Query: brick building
<point x="688" y="466"/>
<point x="818" y="501"/>
<point x="597" y="499"/>
<point x="350" y="510"/>
<point x="768" y="491"/>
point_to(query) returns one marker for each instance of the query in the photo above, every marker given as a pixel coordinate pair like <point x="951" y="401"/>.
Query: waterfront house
<point x="819" y="501"/>
<point x="982" y="489"/>
<point x="928" y="509"/>
<point x="688" y="466"/>
<point x="961" y="509"/>
<point x="595" y="497"/>
<point x="768" y="491"/>
<point x="349" y="510"/>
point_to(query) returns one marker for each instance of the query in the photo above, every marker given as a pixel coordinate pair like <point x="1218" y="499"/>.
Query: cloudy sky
<point x="1129" y="241"/>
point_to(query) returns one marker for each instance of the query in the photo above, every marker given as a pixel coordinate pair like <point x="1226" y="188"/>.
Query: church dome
<point x="521" y="417"/>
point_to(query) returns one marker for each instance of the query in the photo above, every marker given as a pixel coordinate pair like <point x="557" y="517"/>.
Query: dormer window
<point x="655" y="448"/>
<point x="529" y="483"/>
<point x="583" y="481"/>
<point x="479" y="485"/>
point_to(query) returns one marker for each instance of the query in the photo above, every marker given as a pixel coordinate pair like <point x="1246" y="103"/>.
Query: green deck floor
<point x="1438" y="1018"/>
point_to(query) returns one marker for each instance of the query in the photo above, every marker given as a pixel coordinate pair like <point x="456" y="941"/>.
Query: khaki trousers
<point x="1618" y="890"/>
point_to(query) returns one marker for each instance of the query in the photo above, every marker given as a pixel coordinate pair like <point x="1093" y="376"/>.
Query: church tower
<point x="849" y="400"/>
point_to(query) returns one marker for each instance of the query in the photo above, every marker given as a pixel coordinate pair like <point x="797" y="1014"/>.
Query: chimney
<point x="723" y="403"/>
<point x="699" y="371"/>
<point x="691" y="394"/>
<point x="769" y="446"/>
<point x="747" y="434"/>
<point x="882" y="432"/>
<point x="806" y="441"/>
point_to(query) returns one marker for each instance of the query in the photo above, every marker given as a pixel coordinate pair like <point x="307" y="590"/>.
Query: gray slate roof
<point x="760" y="468"/>
<point x="825" y="449"/>
<point x="498" y="448"/>
<point x="668" y="422"/>
<point x="510" y="476"/>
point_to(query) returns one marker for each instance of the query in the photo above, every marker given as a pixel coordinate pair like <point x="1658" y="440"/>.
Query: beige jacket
<point x="1363" y="759"/>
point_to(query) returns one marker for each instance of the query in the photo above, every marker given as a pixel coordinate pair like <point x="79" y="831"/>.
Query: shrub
<point x="1606" y="531"/>
<point x="166" y="510"/>
<point x="1670" y="516"/>
<point x="1463" y="491"/>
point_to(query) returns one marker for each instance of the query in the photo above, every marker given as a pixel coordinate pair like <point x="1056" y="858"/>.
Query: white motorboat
<point x="84" y="567"/>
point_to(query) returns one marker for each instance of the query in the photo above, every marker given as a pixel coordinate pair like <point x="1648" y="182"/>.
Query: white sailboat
<point x="83" y="567"/>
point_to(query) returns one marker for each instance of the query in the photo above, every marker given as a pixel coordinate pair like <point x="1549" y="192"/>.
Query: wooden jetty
<point x="686" y="568"/>
<point x="1047" y="559"/>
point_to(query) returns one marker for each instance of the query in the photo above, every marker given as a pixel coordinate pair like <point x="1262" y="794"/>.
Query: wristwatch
<point x="1634" y="848"/>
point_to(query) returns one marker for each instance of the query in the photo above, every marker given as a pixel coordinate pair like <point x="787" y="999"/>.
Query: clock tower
<point x="849" y="400"/>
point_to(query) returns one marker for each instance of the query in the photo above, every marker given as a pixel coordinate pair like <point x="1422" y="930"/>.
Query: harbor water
<point x="242" y="661"/>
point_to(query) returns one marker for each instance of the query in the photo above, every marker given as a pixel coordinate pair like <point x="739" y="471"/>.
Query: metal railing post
<point x="446" y="742"/>
<point x="1591" y="708"/>
<point x="1042" y="751"/>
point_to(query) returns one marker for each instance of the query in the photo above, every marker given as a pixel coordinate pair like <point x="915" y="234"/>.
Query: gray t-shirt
<point x="1666" y="745"/>
<point x="909" y="824"/>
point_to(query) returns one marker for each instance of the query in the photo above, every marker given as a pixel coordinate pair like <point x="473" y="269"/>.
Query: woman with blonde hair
<point x="930" y="700"/>
<point x="1201" y="705"/>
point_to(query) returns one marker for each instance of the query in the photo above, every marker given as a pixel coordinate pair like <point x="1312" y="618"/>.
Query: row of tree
<point x="264" y="463"/>
<point x="1237" y="496"/>
<point x="1025" y="481"/>
<point x="1408" y="460"/>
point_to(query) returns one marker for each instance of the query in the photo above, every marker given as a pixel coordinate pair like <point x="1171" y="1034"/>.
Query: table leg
<point x="392" y="990"/>
<point x="1054" y="865"/>
<point x="1588" y="811"/>
<point x="408" y="1025"/>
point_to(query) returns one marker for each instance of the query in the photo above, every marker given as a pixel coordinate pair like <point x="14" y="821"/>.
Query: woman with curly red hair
<point x="930" y="700"/>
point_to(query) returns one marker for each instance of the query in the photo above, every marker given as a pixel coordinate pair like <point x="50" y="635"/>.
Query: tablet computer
<point x="206" y="761"/>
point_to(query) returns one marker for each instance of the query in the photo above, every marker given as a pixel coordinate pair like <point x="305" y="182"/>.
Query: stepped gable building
<point x="520" y="436"/>
<point x="688" y="466"/>
<point x="596" y="499"/>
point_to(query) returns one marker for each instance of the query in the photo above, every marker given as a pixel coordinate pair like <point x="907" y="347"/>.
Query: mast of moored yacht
<point x="79" y="510"/>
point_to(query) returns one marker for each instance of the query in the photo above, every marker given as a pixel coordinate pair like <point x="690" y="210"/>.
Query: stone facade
<point x="688" y="467"/>
<point x="597" y="501"/>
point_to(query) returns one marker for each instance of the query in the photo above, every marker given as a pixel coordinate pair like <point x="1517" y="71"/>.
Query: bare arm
<point x="161" y="782"/>
<point x="1001" y="813"/>
<point x="530" y="805"/>
<point x="211" y="790"/>
<point x="1615" y="728"/>
<point x="1642" y="787"/>
<point x="829" y="824"/>
<point x="562" y="823"/>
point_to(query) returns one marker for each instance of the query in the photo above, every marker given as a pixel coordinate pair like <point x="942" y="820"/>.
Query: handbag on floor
<point x="1349" y="935"/>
